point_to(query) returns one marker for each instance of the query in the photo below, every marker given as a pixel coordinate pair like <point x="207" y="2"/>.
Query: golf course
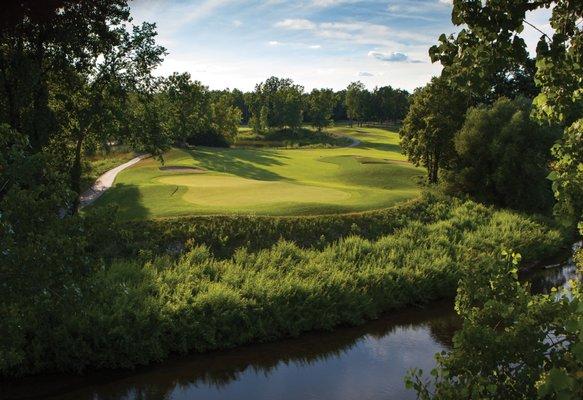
<point x="370" y="174"/>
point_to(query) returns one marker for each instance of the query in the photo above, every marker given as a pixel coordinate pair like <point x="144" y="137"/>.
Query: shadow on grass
<point x="127" y="199"/>
<point x="365" y="145"/>
<point x="241" y="162"/>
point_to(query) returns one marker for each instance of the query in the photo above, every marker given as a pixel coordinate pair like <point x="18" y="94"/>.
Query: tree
<point x="290" y="106"/>
<point x="226" y="118"/>
<point x="321" y="103"/>
<point x="502" y="157"/>
<point x="240" y="102"/>
<point x="282" y="101"/>
<point x="490" y="44"/>
<point x="187" y="108"/>
<point x="435" y="115"/>
<point x="488" y="58"/>
<point x="66" y="68"/>
<point x="513" y="344"/>
<point x="339" y="111"/>
<point x="91" y="106"/>
<point x="355" y="101"/>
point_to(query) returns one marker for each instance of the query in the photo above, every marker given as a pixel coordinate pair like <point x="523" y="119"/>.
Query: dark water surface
<point x="366" y="363"/>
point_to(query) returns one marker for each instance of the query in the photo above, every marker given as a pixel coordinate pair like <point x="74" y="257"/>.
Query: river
<point x="367" y="362"/>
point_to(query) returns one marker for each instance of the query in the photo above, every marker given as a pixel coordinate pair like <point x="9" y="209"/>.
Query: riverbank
<point x="135" y="312"/>
<point x="374" y="357"/>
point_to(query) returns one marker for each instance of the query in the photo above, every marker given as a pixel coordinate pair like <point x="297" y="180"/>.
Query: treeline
<point x="190" y="113"/>
<point x="280" y="104"/>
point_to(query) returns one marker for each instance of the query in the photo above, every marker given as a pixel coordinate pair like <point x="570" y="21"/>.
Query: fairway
<point x="269" y="181"/>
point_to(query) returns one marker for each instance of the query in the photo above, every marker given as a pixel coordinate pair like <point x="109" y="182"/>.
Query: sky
<point x="317" y="43"/>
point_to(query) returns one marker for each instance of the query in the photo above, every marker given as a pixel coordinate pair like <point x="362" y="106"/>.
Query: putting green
<point x="268" y="181"/>
<point x="211" y="191"/>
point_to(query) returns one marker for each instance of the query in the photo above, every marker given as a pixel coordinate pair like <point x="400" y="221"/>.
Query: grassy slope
<point x="270" y="181"/>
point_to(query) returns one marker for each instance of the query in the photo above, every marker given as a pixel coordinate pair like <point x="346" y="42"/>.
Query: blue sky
<point x="318" y="43"/>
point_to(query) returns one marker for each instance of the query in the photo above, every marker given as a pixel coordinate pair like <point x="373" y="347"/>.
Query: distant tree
<point x="339" y="110"/>
<point x="384" y="103"/>
<point x="263" y="122"/>
<point x="225" y="118"/>
<point x="291" y="107"/>
<point x="436" y="114"/>
<point x="281" y="99"/>
<point x="240" y="102"/>
<point x="321" y="103"/>
<point x="355" y="102"/>
<point x="401" y="105"/>
<point x="503" y="157"/>
<point x="187" y="108"/>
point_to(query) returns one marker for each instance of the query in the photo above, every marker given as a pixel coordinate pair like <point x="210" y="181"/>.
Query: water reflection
<point x="554" y="276"/>
<point x="368" y="361"/>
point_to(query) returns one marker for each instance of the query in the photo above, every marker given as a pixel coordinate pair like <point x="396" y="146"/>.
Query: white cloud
<point x="315" y="47"/>
<point x="356" y="32"/>
<point x="365" y="74"/>
<point x="274" y="43"/>
<point x="296" y="24"/>
<point x="237" y="23"/>
<point x="390" y="57"/>
<point x="419" y="9"/>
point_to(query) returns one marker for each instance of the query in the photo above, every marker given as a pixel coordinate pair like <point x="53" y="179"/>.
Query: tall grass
<point x="224" y="234"/>
<point x="134" y="313"/>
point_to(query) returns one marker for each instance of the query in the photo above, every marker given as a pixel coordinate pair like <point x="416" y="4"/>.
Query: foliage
<point x="355" y="101"/>
<point x="66" y="71"/>
<point x="502" y="157"/>
<point x="389" y="104"/>
<point x="186" y="107"/>
<point x="567" y="173"/>
<point x="435" y="115"/>
<point x="225" y="118"/>
<point x="194" y="115"/>
<point x="488" y="58"/>
<point x="276" y="103"/>
<point x="490" y="45"/>
<point x="321" y="103"/>
<point x="513" y="345"/>
<point x="132" y="313"/>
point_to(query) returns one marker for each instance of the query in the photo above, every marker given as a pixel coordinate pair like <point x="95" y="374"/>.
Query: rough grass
<point x="270" y="181"/>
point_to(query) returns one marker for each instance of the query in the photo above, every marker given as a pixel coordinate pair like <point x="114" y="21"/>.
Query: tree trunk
<point x="433" y="178"/>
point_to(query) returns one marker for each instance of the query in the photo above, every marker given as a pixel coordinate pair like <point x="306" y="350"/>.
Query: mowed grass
<point x="268" y="181"/>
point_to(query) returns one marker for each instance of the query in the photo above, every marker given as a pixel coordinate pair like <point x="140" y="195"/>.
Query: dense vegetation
<point x="129" y="312"/>
<point x="515" y="344"/>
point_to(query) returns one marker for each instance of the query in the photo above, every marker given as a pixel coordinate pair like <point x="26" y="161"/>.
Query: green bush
<point x="134" y="312"/>
<point x="503" y="157"/>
